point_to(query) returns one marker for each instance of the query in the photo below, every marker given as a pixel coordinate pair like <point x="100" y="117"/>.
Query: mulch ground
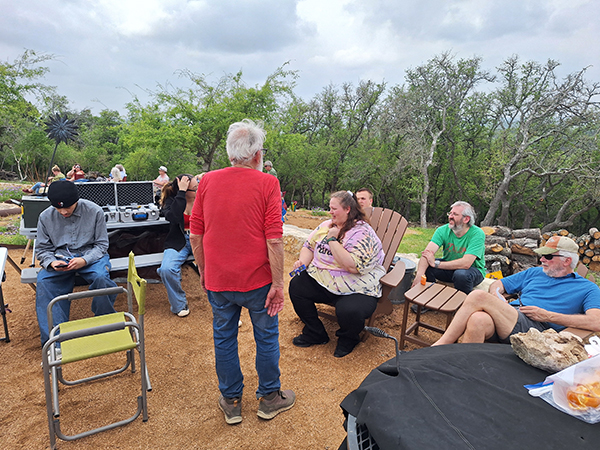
<point x="183" y="403"/>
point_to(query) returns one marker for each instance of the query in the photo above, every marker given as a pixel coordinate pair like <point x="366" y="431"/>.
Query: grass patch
<point x="318" y="212"/>
<point x="415" y="240"/>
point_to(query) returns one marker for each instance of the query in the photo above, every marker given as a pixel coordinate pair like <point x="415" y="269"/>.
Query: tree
<point x="208" y="110"/>
<point x="23" y="100"/>
<point x="421" y="110"/>
<point x="544" y="132"/>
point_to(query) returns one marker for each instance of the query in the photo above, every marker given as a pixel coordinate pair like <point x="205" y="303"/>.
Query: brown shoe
<point x="275" y="402"/>
<point x="27" y="191"/>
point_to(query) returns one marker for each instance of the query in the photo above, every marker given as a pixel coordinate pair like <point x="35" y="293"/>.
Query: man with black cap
<point x="71" y="239"/>
<point x="550" y="296"/>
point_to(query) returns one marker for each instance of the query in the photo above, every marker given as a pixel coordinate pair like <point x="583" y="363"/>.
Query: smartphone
<point x="63" y="257"/>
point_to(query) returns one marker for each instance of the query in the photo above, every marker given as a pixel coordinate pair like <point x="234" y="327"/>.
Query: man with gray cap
<point x="550" y="296"/>
<point x="71" y="239"/>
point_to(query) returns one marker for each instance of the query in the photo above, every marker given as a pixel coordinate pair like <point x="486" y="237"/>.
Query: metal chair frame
<point x="52" y="362"/>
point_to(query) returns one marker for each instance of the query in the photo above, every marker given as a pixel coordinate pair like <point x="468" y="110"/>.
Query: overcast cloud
<point x="108" y="50"/>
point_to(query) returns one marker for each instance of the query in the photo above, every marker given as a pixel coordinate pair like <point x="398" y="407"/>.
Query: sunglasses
<point x="550" y="256"/>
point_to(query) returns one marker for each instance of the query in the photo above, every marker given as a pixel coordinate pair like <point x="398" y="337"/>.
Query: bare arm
<point x="496" y="285"/>
<point x="274" y="302"/>
<point x="306" y="257"/>
<point x="588" y="321"/>
<point x="198" y="250"/>
<point x="427" y="255"/>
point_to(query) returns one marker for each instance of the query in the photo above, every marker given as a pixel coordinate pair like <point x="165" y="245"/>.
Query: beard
<point x="554" y="273"/>
<point x="456" y="227"/>
<point x="260" y="164"/>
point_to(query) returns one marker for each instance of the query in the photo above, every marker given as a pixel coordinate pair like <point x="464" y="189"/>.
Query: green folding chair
<point x="92" y="337"/>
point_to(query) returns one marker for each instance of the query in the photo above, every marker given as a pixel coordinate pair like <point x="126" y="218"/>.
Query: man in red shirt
<point x="236" y="237"/>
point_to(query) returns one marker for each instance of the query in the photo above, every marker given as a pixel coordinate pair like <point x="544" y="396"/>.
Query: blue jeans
<point x="52" y="283"/>
<point x="226" y="308"/>
<point x="464" y="279"/>
<point x="36" y="187"/>
<point x="170" y="274"/>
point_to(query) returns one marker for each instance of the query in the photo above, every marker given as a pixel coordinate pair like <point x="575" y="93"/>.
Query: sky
<point x="108" y="51"/>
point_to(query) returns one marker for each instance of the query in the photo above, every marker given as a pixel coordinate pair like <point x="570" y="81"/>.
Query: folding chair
<point x="92" y="337"/>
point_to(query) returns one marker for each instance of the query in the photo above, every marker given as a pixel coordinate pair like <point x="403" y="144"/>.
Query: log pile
<point x="589" y="246"/>
<point x="513" y="249"/>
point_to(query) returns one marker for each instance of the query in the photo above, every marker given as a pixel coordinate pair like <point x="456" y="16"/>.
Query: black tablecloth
<point x="463" y="396"/>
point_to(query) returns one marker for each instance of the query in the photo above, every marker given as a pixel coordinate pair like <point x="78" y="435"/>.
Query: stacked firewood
<point x="589" y="246"/>
<point x="513" y="249"/>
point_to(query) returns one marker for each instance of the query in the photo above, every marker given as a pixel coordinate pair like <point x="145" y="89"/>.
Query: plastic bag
<point x="574" y="390"/>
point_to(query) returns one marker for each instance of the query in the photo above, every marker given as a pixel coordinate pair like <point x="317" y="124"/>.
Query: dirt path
<point x="183" y="404"/>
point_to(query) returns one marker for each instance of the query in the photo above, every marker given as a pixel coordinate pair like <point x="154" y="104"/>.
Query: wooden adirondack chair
<point x="390" y="227"/>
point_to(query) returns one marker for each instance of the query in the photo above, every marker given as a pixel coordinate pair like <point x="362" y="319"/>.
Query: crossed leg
<point x="478" y="318"/>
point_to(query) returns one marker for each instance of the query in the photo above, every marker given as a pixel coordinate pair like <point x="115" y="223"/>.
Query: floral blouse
<point x="366" y="250"/>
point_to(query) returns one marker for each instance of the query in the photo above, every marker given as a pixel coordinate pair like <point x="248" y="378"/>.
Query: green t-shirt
<point x="472" y="243"/>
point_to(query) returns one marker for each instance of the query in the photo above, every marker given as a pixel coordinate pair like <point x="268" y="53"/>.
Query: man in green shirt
<point x="463" y="243"/>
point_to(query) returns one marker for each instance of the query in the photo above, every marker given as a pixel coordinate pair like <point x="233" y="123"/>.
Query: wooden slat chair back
<point x="390" y="227"/>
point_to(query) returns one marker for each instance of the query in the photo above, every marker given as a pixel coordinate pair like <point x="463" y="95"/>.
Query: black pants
<point x="351" y="310"/>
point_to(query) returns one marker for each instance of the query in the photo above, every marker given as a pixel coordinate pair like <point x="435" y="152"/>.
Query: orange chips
<point x="584" y="396"/>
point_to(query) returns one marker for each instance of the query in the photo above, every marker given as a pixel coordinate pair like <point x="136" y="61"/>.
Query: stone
<point x="293" y="239"/>
<point x="548" y="350"/>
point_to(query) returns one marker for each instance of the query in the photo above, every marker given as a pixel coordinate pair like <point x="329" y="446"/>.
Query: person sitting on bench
<point x="71" y="240"/>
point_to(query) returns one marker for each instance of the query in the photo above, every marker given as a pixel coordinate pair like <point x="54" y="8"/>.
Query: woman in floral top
<point x="343" y="259"/>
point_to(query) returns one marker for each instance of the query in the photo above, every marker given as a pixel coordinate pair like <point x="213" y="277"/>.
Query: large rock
<point x="548" y="350"/>
<point x="293" y="238"/>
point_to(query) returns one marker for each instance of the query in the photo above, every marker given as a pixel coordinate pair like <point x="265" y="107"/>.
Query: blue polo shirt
<point x="571" y="294"/>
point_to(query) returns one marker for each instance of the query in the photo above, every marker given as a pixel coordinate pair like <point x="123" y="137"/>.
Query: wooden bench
<point x="29" y="275"/>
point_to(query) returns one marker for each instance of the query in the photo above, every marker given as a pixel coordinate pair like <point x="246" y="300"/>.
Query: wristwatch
<point x="329" y="239"/>
<point x="437" y="263"/>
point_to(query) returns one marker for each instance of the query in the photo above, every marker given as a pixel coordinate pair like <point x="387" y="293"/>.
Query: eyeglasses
<point x="552" y="255"/>
<point x="452" y="214"/>
<point x="264" y="151"/>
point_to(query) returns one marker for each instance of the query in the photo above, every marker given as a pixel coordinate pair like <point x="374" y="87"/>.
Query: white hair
<point x="468" y="211"/>
<point x="574" y="257"/>
<point x="244" y="139"/>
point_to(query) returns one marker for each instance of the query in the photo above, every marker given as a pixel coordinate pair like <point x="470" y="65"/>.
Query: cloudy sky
<point x="108" y="50"/>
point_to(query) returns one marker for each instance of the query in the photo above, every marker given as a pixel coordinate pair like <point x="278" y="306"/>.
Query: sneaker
<point x="302" y="341"/>
<point x="414" y="307"/>
<point x="232" y="409"/>
<point x="276" y="402"/>
<point x="184" y="312"/>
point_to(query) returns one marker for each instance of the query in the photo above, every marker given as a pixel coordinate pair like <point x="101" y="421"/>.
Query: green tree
<point x="23" y="100"/>
<point x="545" y="133"/>
<point x="422" y="110"/>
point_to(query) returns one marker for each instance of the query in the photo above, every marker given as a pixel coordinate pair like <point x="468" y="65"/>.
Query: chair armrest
<point x="579" y="332"/>
<point x="395" y="276"/>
